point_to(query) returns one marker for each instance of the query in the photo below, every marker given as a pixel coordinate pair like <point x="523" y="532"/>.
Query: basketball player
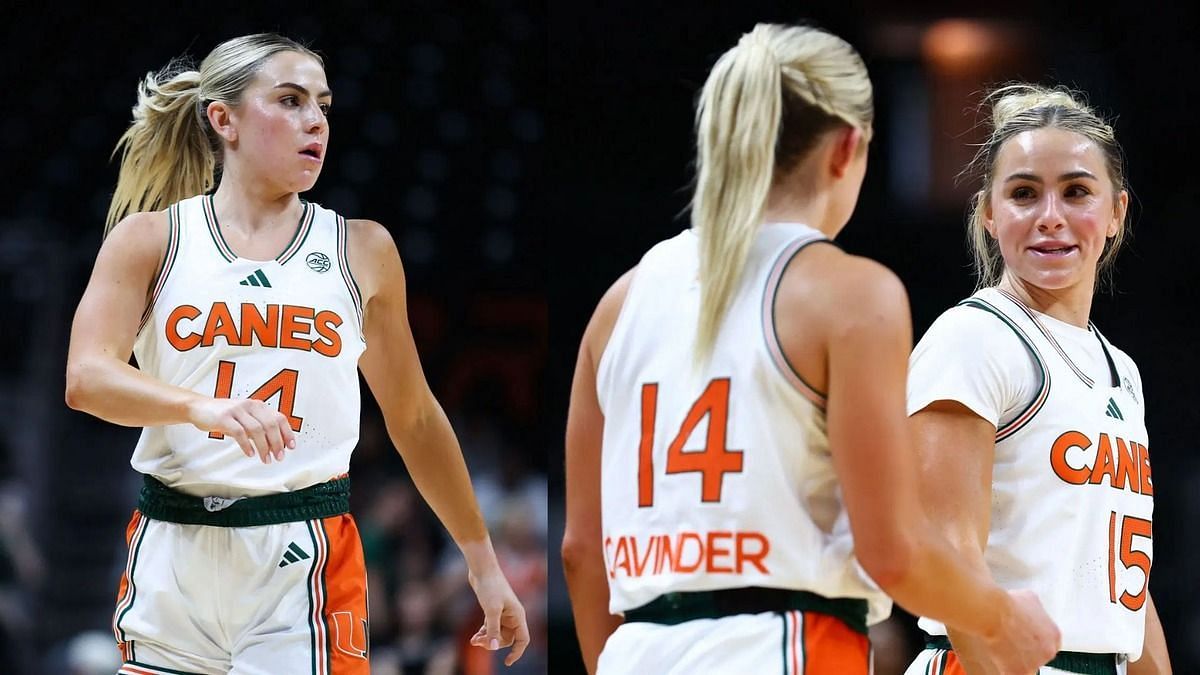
<point x="249" y="311"/>
<point x="1029" y="421"/>
<point x="736" y="441"/>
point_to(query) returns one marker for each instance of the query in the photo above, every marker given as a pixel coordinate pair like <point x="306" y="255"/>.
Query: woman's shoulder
<point x="842" y="287"/>
<point x="144" y="231"/>
<point x="973" y="328"/>
<point x="368" y="232"/>
<point x="372" y="255"/>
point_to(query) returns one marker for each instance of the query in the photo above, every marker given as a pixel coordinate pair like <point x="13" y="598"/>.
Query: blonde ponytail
<point x="737" y="122"/>
<point x="170" y="152"/>
<point x="764" y="106"/>
<point x="166" y="154"/>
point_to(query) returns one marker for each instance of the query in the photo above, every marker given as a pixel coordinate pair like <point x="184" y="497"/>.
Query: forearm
<point x="966" y="644"/>
<point x="119" y="393"/>
<point x="955" y="453"/>
<point x="588" y="590"/>
<point x="435" y="461"/>
<point x="951" y="586"/>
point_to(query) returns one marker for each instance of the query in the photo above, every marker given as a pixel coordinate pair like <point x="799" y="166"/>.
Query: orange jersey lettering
<point x="687" y="553"/>
<point x="277" y="326"/>
<point x="1115" y="462"/>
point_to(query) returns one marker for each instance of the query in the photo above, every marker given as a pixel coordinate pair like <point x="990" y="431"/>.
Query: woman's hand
<point x="255" y="426"/>
<point x="503" y="616"/>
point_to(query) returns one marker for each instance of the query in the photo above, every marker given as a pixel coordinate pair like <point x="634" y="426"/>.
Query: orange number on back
<point x="646" y="449"/>
<point x="283" y="383"/>
<point x="713" y="462"/>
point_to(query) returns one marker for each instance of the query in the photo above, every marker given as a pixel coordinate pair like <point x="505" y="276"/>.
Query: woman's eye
<point x="1022" y="193"/>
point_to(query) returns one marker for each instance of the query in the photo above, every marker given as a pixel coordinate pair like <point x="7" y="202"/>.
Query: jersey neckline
<point x="303" y="226"/>
<point x="1040" y="319"/>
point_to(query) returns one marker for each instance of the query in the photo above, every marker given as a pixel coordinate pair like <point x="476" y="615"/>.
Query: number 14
<point x="283" y="383"/>
<point x="713" y="462"/>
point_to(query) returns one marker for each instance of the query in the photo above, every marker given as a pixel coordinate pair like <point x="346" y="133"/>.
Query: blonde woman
<point x="1029" y="421"/>
<point x="741" y="490"/>
<point x="250" y="312"/>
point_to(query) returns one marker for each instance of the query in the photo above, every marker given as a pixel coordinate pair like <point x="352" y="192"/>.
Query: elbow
<point x="409" y="426"/>
<point x="76" y="390"/>
<point x="888" y="560"/>
<point x="83" y="387"/>
<point x="577" y="554"/>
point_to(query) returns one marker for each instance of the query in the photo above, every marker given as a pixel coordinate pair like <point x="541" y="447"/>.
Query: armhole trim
<point x="1039" y="400"/>
<point x="770" y="332"/>
<point x="347" y="275"/>
<point x="167" y="264"/>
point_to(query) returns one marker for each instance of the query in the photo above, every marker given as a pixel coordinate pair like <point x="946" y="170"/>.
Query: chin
<point x="304" y="184"/>
<point x="1051" y="281"/>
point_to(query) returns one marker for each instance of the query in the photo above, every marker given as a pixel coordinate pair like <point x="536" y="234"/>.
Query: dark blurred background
<point x="623" y="78"/>
<point x="438" y="130"/>
<point x="443" y="117"/>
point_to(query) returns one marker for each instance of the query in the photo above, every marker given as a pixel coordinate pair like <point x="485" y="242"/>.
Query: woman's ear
<point x="220" y="117"/>
<point x="846" y="143"/>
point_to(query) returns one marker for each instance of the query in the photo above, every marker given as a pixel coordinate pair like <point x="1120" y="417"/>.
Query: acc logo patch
<point x="1129" y="389"/>
<point x="317" y="262"/>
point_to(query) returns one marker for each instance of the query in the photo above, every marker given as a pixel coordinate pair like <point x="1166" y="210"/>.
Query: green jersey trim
<point x="1013" y="426"/>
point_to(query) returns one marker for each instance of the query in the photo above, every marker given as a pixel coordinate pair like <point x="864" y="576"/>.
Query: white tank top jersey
<point x="717" y="476"/>
<point x="287" y="331"/>
<point x="1072" y="495"/>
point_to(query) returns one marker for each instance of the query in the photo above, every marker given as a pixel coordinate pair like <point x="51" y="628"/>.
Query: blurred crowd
<point x="422" y="610"/>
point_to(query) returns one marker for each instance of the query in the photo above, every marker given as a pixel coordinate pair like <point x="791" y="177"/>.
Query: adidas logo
<point x="1113" y="410"/>
<point x="256" y="279"/>
<point x="293" y="554"/>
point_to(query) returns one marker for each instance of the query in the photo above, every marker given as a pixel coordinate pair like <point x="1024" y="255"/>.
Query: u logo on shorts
<point x="344" y="625"/>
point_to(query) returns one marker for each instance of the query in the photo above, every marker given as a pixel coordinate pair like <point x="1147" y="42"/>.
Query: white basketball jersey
<point x="1072" y="495"/>
<point x="287" y="331"/>
<point x="717" y="476"/>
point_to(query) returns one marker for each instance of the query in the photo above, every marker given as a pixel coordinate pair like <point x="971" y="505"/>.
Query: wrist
<point x="188" y="407"/>
<point x="994" y="622"/>
<point x="480" y="556"/>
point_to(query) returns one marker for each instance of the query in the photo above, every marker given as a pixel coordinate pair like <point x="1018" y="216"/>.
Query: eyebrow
<point x="302" y="90"/>
<point x="1070" y="175"/>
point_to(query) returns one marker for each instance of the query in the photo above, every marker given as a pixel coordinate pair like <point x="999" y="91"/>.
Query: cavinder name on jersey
<point x="721" y="552"/>
<point x="717" y="476"/>
<point x="287" y="331"/>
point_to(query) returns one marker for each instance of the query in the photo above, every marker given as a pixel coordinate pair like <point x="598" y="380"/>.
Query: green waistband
<point x="323" y="500"/>
<point x="673" y="608"/>
<point x="1072" y="662"/>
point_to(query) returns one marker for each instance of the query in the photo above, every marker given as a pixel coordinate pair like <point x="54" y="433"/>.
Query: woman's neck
<point x="785" y="206"/>
<point x="252" y="206"/>
<point x="1070" y="305"/>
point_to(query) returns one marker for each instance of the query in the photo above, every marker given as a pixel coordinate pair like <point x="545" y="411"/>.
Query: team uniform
<point x="726" y="545"/>
<point x="236" y="566"/>
<point x="1072" y="495"/>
